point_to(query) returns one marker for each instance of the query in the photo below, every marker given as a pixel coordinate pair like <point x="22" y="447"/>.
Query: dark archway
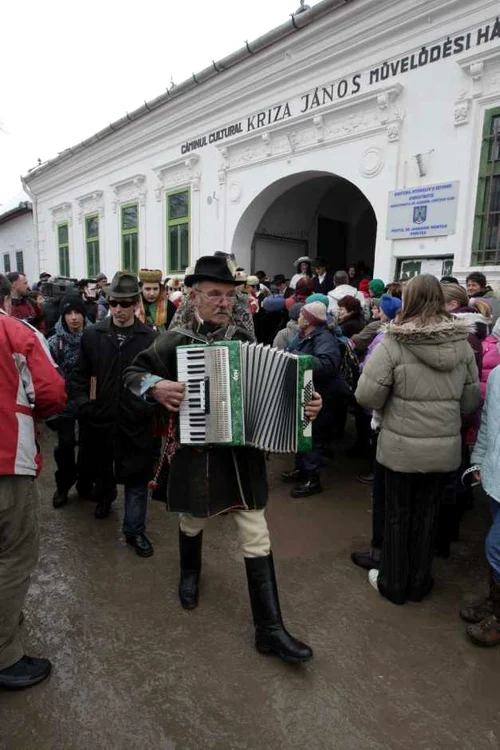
<point x="308" y="213"/>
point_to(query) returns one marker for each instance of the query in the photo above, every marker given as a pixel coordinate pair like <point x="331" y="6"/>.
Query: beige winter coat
<point x="422" y="380"/>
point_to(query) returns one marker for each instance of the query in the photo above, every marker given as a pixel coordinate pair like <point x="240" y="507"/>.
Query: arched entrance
<point x="309" y="213"/>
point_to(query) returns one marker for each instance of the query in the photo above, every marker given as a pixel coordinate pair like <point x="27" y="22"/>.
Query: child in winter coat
<point x="485" y="615"/>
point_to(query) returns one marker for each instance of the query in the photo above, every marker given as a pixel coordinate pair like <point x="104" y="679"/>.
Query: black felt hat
<point x="123" y="285"/>
<point x="320" y="262"/>
<point x="211" y="268"/>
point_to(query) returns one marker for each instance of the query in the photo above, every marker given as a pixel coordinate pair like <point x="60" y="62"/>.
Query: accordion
<point x="245" y="394"/>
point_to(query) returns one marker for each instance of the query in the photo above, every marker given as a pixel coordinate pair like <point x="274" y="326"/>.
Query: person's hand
<point x="313" y="407"/>
<point x="477" y="476"/>
<point x="168" y="393"/>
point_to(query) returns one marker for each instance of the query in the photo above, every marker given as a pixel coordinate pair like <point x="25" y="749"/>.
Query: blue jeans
<point x="136" y="505"/>
<point x="493" y="540"/>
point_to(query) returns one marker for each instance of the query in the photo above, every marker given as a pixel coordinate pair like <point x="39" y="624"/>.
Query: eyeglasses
<point x="216" y="298"/>
<point x="122" y="302"/>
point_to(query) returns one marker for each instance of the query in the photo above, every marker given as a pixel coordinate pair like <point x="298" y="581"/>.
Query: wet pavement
<point x="131" y="669"/>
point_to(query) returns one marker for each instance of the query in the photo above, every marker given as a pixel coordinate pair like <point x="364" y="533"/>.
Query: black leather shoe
<point x="190" y="548"/>
<point x="292" y="476"/>
<point x="102" y="509"/>
<point x="312" y="486"/>
<point x="141" y="544"/>
<point x="24" y="673"/>
<point x="365" y="560"/>
<point x="271" y="636"/>
<point x="59" y="498"/>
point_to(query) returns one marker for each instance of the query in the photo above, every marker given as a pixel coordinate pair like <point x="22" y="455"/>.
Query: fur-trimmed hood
<point x="435" y="344"/>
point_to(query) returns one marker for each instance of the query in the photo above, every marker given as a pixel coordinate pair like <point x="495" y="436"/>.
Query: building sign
<point x="424" y="211"/>
<point x="411" y="267"/>
<point x="349" y="86"/>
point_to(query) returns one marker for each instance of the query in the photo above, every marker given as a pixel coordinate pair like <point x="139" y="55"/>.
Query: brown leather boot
<point x="479" y="610"/>
<point x="487" y="632"/>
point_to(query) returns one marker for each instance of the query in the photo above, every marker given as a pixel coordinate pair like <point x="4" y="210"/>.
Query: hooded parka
<point x="422" y="379"/>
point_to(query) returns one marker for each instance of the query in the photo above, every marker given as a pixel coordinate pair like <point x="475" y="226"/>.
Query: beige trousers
<point x="251" y="527"/>
<point x="19" y="541"/>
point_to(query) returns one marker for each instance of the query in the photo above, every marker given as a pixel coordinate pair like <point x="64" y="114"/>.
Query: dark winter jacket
<point x="325" y="286"/>
<point x="120" y="425"/>
<point x="364" y="338"/>
<point x="208" y="480"/>
<point x="324" y="347"/>
<point x="65" y="349"/>
<point x="352" y="325"/>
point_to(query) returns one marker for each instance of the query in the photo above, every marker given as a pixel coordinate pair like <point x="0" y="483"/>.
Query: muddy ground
<point x="132" y="670"/>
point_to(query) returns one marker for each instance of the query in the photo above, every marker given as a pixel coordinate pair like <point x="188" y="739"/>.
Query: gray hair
<point x="340" y="278"/>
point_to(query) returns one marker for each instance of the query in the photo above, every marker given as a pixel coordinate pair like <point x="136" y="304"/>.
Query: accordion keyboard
<point x="191" y="370"/>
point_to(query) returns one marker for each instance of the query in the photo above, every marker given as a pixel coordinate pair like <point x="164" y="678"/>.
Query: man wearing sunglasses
<point x="119" y="426"/>
<point x="209" y="480"/>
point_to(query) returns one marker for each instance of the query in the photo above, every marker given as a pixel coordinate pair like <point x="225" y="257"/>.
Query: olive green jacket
<point x="422" y="380"/>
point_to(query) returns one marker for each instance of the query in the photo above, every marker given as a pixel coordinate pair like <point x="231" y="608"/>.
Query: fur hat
<point x="149" y="276"/>
<point x="72" y="301"/>
<point x="376" y="286"/>
<point x="318" y="297"/>
<point x="314" y="313"/>
<point x="390" y="306"/>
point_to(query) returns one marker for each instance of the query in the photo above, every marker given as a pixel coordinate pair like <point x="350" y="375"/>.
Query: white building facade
<point x="360" y="130"/>
<point x="17" y="248"/>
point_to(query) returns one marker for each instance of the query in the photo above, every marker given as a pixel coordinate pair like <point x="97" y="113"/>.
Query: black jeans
<point x="378" y="506"/>
<point x="72" y="468"/>
<point x="412" y="510"/>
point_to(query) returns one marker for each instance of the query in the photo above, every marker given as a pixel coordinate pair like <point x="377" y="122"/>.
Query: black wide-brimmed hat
<point x="320" y="262"/>
<point x="123" y="285"/>
<point x="210" y="268"/>
<point x="279" y="279"/>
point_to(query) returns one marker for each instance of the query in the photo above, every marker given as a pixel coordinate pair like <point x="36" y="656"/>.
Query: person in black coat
<point x="323" y="279"/>
<point x="206" y="480"/>
<point x="317" y="340"/>
<point x="118" y="424"/>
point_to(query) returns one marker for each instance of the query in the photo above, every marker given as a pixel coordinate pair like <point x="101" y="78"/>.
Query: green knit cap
<point x="376" y="286"/>
<point x="317" y="297"/>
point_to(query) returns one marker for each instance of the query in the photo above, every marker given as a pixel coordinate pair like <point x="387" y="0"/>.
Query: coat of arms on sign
<point x="419" y="214"/>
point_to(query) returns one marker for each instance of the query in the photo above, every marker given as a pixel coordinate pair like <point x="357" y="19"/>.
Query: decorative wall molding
<point x="132" y="189"/>
<point x="371" y="114"/>
<point x="91" y="203"/>
<point x="372" y="162"/>
<point x="177" y="173"/>
<point x="482" y="69"/>
<point x="62" y="212"/>
<point x="461" y="111"/>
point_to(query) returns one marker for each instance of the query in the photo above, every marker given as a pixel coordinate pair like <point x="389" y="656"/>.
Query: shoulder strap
<point x="191" y="334"/>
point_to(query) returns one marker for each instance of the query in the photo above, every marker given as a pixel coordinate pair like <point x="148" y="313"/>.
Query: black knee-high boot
<point x="271" y="637"/>
<point x="190" y="560"/>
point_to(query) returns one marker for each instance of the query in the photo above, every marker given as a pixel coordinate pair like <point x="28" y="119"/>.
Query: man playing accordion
<point x="207" y="480"/>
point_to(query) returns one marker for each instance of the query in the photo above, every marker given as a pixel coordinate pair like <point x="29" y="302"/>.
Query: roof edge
<point x="297" y="22"/>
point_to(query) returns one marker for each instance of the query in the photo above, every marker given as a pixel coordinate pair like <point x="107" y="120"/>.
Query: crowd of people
<point x="415" y="363"/>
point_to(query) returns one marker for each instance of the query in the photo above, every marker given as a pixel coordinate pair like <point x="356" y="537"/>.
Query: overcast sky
<point x="68" y="70"/>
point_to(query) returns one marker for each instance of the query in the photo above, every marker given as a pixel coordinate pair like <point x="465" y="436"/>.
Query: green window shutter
<point x="6" y="263"/>
<point x="178" y="230"/>
<point x="92" y="245"/>
<point x="129" y="227"/>
<point x="486" y="237"/>
<point x="63" y="248"/>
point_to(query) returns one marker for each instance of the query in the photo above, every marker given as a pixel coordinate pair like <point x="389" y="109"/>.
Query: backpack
<point x="349" y="366"/>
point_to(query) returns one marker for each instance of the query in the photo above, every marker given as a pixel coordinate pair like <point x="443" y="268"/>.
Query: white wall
<point x="17" y="234"/>
<point x="370" y="138"/>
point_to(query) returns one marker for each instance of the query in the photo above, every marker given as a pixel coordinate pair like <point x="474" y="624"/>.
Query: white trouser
<point x="251" y="526"/>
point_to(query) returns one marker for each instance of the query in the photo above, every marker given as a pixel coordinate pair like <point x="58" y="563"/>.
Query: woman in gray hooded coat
<point x="422" y="378"/>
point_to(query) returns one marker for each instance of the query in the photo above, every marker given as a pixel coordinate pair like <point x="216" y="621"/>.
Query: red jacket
<point x="31" y="389"/>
